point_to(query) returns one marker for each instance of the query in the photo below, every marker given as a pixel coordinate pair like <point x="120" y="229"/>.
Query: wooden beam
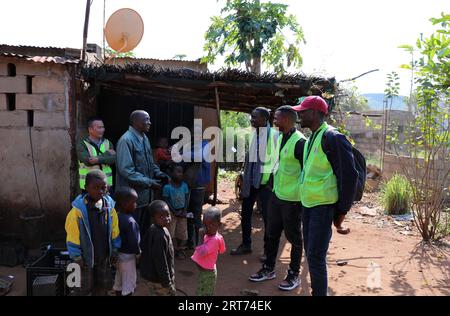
<point x="216" y="169"/>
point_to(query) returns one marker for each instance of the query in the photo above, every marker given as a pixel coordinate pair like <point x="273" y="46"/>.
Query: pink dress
<point x="206" y="254"/>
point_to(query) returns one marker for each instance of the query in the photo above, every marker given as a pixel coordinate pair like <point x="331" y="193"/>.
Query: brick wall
<point x="367" y="137"/>
<point x="34" y="140"/>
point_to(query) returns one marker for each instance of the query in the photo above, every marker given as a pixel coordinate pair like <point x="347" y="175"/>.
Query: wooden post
<point x="216" y="169"/>
<point x="85" y="31"/>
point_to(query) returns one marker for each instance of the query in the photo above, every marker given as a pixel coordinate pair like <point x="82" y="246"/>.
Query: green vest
<point x="286" y="178"/>
<point x="83" y="169"/>
<point x="318" y="182"/>
<point x="271" y="156"/>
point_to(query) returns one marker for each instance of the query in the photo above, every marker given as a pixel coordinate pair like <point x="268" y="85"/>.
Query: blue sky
<point x="344" y="38"/>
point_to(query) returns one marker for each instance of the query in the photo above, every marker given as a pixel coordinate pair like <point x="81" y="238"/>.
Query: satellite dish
<point x="124" y="30"/>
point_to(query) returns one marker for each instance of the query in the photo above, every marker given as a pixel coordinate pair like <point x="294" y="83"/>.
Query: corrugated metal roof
<point x="156" y="59"/>
<point x="43" y="59"/>
<point x="56" y="60"/>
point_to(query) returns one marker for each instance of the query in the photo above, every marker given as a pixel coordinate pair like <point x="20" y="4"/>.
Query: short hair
<point x="289" y="112"/>
<point x="124" y="195"/>
<point x="95" y="175"/>
<point x="93" y="119"/>
<point x="173" y="166"/>
<point x="213" y="213"/>
<point x="265" y="112"/>
<point x="135" y="115"/>
<point x="156" y="207"/>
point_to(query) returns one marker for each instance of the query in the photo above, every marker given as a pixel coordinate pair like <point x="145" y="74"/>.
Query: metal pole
<point x="104" y="20"/>
<point x="85" y="31"/>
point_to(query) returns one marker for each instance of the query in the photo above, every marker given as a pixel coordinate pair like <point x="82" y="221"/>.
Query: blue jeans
<point x="317" y="232"/>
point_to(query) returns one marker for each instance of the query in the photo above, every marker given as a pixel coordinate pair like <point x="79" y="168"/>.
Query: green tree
<point x="428" y="138"/>
<point x="112" y="53"/>
<point x="251" y="33"/>
<point x="349" y="99"/>
<point x="179" y="56"/>
<point x="234" y="119"/>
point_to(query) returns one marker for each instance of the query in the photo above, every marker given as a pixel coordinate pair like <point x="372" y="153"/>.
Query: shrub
<point x="396" y="195"/>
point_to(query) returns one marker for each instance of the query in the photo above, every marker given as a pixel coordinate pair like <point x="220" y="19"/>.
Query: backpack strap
<point x="325" y="142"/>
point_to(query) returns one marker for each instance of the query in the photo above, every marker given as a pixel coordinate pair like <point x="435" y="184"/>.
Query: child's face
<point x="97" y="188"/>
<point x="162" y="218"/>
<point x="177" y="174"/>
<point x="130" y="205"/>
<point x="211" y="226"/>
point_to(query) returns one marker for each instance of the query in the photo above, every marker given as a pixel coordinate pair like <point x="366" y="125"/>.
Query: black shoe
<point x="264" y="274"/>
<point x="241" y="250"/>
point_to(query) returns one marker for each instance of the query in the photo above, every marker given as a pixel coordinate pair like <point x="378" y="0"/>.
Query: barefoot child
<point x="205" y="255"/>
<point x="176" y="195"/>
<point x="125" y="282"/>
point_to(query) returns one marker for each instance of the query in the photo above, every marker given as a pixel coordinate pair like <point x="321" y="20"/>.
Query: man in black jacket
<point x="327" y="184"/>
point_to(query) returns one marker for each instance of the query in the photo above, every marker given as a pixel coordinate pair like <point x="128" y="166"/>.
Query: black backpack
<point x="360" y="166"/>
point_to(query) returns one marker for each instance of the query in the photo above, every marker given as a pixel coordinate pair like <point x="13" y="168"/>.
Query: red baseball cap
<point x="312" y="102"/>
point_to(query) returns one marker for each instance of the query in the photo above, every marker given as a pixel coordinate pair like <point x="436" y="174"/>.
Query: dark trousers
<point x="317" y="232"/>
<point x="264" y="194"/>
<point x="96" y="281"/>
<point x="284" y="215"/>
<point x="197" y="196"/>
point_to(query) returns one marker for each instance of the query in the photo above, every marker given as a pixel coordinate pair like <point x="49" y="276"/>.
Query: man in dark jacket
<point x="327" y="187"/>
<point x="257" y="171"/>
<point x="135" y="165"/>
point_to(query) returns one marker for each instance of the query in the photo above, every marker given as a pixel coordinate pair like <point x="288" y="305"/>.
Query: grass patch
<point x="396" y="195"/>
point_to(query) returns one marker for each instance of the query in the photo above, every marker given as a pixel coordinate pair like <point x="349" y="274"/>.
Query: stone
<point x="365" y="211"/>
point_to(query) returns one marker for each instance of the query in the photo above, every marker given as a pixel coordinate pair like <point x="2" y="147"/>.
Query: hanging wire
<point x="34" y="168"/>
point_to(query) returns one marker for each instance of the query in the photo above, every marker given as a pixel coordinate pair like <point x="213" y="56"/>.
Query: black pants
<point x="196" y="198"/>
<point x="96" y="281"/>
<point x="284" y="215"/>
<point x="264" y="194"/>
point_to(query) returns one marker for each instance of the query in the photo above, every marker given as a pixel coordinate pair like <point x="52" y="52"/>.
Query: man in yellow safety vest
<point x="95" y="152"/>
<point x="284" y="211"/>
<point x="327" y="187"/>
<point x="257" y="171"/>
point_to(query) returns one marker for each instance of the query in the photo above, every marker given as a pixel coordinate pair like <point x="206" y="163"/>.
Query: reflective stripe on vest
<point x="318" y="182"/>
<point x="83" y="169"/>
<point x="286" y="178"/>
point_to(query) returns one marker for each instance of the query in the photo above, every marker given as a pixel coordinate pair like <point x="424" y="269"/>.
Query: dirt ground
<point x="381" y="256"/>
